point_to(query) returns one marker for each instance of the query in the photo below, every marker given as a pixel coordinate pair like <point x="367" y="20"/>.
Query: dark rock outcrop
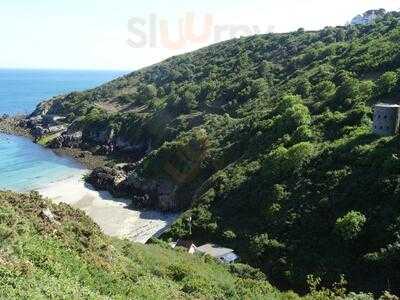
<point x="68" y="140"/>
<point x="121" y="181"/>
<point x="100" y="136"/>
<point x="158" y="193"/>
<point x="145" y="193"/>
<point x="34" y="121"/>
<point x="39" y="131"/>
<point x="41" y="125"/>
<point x="108" y="179"/>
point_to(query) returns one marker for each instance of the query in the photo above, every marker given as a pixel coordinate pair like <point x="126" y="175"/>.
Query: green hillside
<point x="266" y="143"/>
<point x="69" y="258"/>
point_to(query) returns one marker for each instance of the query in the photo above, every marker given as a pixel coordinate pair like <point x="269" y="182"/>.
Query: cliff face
<point x="266" y="143"/>
<point x="145" y="193"/>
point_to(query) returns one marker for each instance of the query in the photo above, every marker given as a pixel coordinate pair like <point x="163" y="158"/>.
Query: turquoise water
<point x="24" y="165"/>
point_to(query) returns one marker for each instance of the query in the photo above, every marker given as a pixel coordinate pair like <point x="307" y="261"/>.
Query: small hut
<point x="224" y="255"/>
<point x="386" y="119"/>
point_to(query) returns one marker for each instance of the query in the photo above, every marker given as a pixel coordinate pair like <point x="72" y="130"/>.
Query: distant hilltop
<point x="368" y="17"/>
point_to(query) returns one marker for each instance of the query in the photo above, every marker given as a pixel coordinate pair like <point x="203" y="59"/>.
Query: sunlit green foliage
<point x="289" y="152"/>
<point x="350" y="225"/>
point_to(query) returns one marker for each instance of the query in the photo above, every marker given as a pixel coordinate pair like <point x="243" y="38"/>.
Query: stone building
<point x="386" y="119"/>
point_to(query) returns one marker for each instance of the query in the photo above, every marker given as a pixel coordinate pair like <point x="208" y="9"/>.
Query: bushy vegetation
<point x="69" y="257"/>
<point x="57" y="252"/>
<point x="270" y="141"/>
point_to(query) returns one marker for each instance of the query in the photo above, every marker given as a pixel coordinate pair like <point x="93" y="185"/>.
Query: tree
<point x="187" y="102"/>
<point x="387" y="83"/>
<point x="324" y="90"/>
<point x="262" y="245"/>
<point x="322" y="72"/>
<point x="303" y="87"/>
<point x="147" y="93"/>
<point x="259" y="87"/>
<point x="367" y="89"/>
<point x="349" y="86"/>
<point x="350" y="226"/>
<point x="150" y="91"/>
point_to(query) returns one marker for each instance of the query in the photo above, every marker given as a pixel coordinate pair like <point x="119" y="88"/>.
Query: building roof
<point x="214" y="250"/>
<point x="230" y="257"/>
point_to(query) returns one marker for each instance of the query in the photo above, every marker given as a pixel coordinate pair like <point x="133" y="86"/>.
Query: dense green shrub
<point x="350" y="225"/>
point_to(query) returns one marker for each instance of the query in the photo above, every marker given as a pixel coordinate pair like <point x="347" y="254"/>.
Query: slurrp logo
<point x="190" y="30"/>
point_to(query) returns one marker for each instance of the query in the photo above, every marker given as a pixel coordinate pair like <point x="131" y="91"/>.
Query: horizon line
<point x="65" y="69"/>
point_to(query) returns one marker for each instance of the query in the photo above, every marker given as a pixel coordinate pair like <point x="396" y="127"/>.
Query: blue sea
<point x="24" y="165"/>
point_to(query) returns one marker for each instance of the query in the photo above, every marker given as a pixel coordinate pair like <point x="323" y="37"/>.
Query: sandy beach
<point x="112" y="215"/>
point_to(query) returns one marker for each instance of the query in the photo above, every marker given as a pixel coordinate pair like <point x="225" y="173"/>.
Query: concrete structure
<point x="225" y="255"/>
<point x="386" y="119"/>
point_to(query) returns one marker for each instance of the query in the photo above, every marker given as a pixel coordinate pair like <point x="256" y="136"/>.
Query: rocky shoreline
<point x="18" y="126"/>
<point x="14" y="126"/>
<point x="117" y="176"/>
<point x="86" y="158"/>
<point x="123" y="213"/>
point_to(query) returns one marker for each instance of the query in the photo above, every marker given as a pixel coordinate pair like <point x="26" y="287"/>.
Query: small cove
<point x="25" y="166"/>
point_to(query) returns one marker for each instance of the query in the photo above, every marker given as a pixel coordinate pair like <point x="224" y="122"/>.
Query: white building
<point x="225" y="255"/>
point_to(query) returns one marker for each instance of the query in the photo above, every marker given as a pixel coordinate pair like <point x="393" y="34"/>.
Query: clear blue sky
<point x="94" y="34"/>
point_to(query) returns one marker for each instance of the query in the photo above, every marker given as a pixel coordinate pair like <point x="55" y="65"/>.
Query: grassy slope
<point x="272" y="134"/>
<point x="73" y="259"/>
<point x="69" y="258"/>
